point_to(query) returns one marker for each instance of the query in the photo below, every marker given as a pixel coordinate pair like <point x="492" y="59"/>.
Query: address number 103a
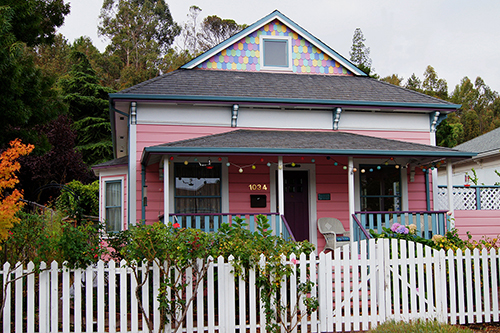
<point x="257" y="187"/>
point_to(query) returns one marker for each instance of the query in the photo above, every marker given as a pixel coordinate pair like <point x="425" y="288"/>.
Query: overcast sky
<point x="457" y="37"/>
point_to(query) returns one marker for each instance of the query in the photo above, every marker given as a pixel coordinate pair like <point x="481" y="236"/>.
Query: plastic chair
<point x="333" y="231"/>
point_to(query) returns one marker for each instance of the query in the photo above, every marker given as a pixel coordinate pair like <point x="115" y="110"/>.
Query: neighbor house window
<point x="113" y="205"/>
<point x="276" y="53"/>
<point x="197" y="188"/>
<point x="380" y="188"/>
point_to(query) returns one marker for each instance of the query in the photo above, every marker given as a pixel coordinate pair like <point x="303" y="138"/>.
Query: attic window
<point x="276" y="53"/>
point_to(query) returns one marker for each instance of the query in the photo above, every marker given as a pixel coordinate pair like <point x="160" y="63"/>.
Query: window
<point x="276" y="53"/>
<point x="197" y="188"/>
<point x="380" y="188"/>
<point x="113" y="205"/>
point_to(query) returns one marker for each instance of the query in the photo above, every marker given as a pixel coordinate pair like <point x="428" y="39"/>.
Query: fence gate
<point x="378" y="281"/>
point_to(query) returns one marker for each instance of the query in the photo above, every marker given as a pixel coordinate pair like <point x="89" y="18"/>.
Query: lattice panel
<point x="465" y="198"/>
<point x="490" y="198"/>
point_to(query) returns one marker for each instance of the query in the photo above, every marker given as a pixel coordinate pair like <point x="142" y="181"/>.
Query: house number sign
<point x="257" y="187"/>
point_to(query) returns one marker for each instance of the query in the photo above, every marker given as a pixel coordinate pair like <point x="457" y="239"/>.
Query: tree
<point x="215" y="30"/>
<point x="26" y="92"/>
<point x="433" y="85"/>
<point x="88" y="107"/>
<point x="10" y="197"/>
<point x="188" y="38"/>
<point x="36" y="20"/>
<point x="360" y="54"/>
<point x="413" y="83"/>
<point x="60" y="164"/>
<point x="393" y="79"/>
<point x="141" y="31"/>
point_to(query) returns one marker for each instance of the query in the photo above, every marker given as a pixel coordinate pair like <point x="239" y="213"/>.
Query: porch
<point x="294" y="178"/>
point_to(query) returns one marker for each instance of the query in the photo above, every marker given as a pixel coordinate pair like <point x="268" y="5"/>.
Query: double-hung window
<point x="380" y="188"/>
<point x="113" y="205"/>
<point x="197" y="188"/>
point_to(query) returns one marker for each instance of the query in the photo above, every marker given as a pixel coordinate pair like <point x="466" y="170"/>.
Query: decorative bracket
<point x="234" y="115"/>
<point x="336" y="118"/>
<point x="133" y="113"/>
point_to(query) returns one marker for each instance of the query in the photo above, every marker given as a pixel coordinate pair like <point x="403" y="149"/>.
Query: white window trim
<point x="276" y="68"/>
<point x="224" y="182"/>
<point x="105" y="180"/>
<point x="357" y="185"/>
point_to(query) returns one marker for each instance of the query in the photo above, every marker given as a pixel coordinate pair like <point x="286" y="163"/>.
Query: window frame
<point x="107" y="181"/>
<point x="288" y="40"/>
<point x="385" y="196"/>
<point x="221" y="189"/>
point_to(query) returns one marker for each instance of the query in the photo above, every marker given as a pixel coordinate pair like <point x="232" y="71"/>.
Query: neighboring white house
<point x="484" y="163"/>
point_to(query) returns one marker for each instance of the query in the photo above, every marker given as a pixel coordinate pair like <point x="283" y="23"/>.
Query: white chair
<point x="333" y="231"/>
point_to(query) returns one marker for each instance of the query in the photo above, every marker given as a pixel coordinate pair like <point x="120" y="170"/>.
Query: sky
<point x="457" y="37"/>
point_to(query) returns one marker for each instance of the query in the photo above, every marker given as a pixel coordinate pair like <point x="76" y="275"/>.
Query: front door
<point x="297" y="203"/>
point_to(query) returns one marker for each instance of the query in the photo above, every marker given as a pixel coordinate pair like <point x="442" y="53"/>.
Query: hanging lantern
<point x="268" y="164"/>
<point x="240" y="170"/>
<point x="186" y="162"/>
<point x="254" y="167"/>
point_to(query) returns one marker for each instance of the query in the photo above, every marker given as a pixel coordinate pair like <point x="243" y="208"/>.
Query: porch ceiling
<point x="286" y="143"/>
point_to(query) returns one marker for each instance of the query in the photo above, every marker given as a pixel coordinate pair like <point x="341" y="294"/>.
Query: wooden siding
<point x="478" y="222"/>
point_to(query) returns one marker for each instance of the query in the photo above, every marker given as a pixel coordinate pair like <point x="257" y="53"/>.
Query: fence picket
<point x="19" y="302"/>
<point x="477" y="280"/>
<point x="312" y="276"/>
<point x="211" y="296"/>
<point x="89" y="311"/>
<point x="30" y="305"/>
<point x="486" y="287"/>
<point x="123" y="298"/>
<point x="451" y="286"/>
<point x="461" y="287"/>
<point x="494" y="283"/>
<point x="54" y="296"/>
<point x="112" y="296"/>
<point x="65" y="299"/>
<point x="100" y="296"/>
<point x="387" y="279"/>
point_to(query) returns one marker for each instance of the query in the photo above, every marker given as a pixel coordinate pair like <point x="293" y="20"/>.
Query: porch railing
<point x="473" y="197"/>
<point x="211" y="222"/>
<point x="428" y="223"/>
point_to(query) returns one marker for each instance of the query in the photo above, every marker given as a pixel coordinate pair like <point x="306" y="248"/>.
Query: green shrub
<point x="419" y="327"/>
<point x="86" y="201"/>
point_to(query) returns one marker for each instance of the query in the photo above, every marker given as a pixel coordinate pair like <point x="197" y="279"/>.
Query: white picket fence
<point x="358" y="288"/>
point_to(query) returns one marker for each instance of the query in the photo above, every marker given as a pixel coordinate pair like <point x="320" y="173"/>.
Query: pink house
<point x="274" y="121"/>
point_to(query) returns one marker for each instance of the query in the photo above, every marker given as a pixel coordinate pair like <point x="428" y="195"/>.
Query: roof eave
<point x="308" y="151"/>
<point x="233" y="99"/>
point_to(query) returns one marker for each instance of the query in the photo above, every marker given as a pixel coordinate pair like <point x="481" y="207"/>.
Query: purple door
<point x="297" y="203"/>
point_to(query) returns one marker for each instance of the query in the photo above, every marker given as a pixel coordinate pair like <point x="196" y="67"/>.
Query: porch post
<point x="281" y="190"/>
<point x="350" y="184"/>
<point x="449" y="183"/>
<point x="166" y="190"/>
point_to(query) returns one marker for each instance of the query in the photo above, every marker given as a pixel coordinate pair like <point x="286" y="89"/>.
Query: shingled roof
<point x="234" y="86"/>
<point x="301" y="142"/>
<point x="485" y="143"/>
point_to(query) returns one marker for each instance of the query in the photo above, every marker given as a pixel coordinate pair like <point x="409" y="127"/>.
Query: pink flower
<point x="448" y="213"/>
<point x="294" y="261"/>
<point x="176" y="225"/>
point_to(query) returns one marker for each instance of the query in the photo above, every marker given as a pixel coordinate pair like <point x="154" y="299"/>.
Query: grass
<point x="419" y="327"/>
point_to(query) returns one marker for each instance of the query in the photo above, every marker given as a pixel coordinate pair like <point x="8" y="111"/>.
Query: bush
<point x="86" y="201"/>
<point x="48" y="238"/>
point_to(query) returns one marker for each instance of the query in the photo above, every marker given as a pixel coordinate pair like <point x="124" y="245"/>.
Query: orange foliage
<point x="10" y="200"/>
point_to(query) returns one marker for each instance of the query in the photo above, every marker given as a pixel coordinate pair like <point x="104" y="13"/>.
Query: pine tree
<point x="360" y="54"/>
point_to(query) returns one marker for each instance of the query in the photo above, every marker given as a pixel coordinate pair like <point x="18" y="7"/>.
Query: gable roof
<point x="262" y="87"/>
<point x="302" y="142"/>
<point x="488" y="142"/>
<point x="275" y="15"/>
